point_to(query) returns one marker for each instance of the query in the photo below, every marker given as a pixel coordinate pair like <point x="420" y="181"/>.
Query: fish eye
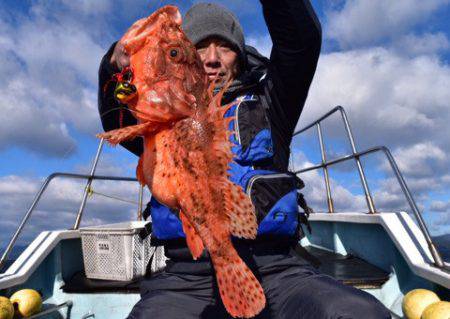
<point x="173" y="53"/>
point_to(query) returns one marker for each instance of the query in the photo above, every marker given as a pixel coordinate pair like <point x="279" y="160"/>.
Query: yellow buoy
<point x="437" y="310"/>
<point x="27" y="302"/>
<point x="415" y="302"/>
<point x="6" y="308"/>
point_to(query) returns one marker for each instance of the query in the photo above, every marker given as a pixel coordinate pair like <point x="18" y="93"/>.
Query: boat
<point x="386" y="254"/>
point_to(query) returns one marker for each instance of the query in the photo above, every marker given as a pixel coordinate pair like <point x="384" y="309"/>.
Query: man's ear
<point x="136" y="35"/>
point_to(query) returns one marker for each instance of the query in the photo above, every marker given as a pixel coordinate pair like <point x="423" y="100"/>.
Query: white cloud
<point x="396" y="100"/>
<point x="118" y="163"/>
<point x="440" y="206"/>
<point x="50" y="84"/>
<point x="88" y="7"/>
<point x="262" y="43"/>
<point x="367" y="22"/>
<point x="59" y="204"/>
<point x="421" y="160"/>
<point x="428" y="43"/>
<point x="315" y="191"/>
<point x="15" y="185"/>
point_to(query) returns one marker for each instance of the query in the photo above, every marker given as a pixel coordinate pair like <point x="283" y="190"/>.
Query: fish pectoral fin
<point x="120" y="135"/>
<point x="193" y="240"/>
<point x="240" y="210"/>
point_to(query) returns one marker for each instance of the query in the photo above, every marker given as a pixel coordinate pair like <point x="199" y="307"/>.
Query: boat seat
<point x="349" y="270"/>
<point x="79" y="283"/>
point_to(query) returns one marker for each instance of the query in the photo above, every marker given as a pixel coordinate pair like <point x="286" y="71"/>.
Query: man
<point x="268" y="97"/>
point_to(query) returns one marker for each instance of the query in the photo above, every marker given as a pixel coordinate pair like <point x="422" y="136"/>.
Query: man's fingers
<point x="124" y="61"/>
<point x="120" y="57"/>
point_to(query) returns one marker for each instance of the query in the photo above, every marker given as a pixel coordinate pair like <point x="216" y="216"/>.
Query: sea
<point x="442" y="243"/>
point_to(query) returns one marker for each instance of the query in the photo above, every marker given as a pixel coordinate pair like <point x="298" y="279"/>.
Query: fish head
<point x="167" y="71"/>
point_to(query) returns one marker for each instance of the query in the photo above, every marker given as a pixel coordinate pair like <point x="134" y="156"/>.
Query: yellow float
<point x="6" y="308"/>
<point x="437" y="310"/>
<point x="27" y="301"/>
<point x="415" y="302"/>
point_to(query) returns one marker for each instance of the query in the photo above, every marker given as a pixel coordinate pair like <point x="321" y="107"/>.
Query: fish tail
<point x="241" y="293"/>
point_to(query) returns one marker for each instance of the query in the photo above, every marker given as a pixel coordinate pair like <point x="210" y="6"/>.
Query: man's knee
<point x="168" y="304"/>
<point x="324" y="297"/>
<point x="148" y="307"/>
<point x="355" y="304"/>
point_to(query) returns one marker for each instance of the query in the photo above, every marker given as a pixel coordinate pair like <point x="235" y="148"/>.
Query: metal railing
<point x="41" y="314"/>
<point x="79" y="215"/>
<point x="324" y="165"/>
<point x="369" y="199"/>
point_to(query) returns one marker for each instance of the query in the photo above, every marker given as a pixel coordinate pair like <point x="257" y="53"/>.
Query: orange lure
<point x="187" y="152"/>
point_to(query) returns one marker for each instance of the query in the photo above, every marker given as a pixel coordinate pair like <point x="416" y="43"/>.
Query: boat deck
<point x="371" y="252"/>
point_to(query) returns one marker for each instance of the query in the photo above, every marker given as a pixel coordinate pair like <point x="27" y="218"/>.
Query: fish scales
<point x="187" y="152"/>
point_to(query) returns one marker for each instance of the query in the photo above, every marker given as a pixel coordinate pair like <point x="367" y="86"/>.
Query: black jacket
<point x="296" y="36"/>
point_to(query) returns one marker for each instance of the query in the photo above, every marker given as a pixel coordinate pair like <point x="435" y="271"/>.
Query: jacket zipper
<point x="255" y="177"/>
<point x="236" y="125"/>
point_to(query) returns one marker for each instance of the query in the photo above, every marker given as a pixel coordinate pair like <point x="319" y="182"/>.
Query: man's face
<point x="219" y="59"/>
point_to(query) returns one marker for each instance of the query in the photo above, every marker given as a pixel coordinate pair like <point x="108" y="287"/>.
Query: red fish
<point x="187" y="152"/>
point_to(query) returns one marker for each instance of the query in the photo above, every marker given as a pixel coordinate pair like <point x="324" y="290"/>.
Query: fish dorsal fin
<point x="221" y="144"/>
<point x="238" y="206"/>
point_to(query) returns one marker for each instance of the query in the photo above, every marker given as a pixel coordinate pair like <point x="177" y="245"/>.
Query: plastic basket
<point x="119" y="251"/>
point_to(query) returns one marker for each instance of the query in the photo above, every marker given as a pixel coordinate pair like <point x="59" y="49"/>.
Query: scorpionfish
<point x="187" y="152"/>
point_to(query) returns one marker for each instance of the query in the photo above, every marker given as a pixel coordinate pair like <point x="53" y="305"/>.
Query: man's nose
<point x="212" y="57"/>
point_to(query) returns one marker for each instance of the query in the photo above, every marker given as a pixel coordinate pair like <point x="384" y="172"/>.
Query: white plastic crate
<point x="119" y="252"/>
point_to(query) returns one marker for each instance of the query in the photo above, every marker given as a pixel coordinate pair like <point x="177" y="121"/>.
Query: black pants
<point x="293" y="288"/>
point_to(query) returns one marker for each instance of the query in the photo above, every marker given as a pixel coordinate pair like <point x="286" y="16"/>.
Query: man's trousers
<point x="293" y="289"/>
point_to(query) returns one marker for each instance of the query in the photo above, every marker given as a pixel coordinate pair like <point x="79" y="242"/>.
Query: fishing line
<point x="92" y="192"/>
<point x="122" y="108"/>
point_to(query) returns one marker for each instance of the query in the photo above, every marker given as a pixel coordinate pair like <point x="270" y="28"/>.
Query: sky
<point x="387" y="62"/>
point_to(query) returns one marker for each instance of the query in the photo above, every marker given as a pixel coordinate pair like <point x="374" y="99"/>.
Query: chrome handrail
<point x="356" y="155"/>
<point x="44" y="186"/>
<point x="67" y="304"/>
<point x="88" y="185"/>
<point x="369" y="199"/>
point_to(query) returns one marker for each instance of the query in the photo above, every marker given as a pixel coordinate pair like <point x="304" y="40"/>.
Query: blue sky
<point x="386" y="61"/>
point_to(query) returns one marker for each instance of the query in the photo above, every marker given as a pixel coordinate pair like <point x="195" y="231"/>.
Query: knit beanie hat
<point x="204" y="20"/>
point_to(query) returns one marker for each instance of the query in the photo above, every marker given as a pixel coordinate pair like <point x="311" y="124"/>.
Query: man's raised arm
<point x="296" y="35"/>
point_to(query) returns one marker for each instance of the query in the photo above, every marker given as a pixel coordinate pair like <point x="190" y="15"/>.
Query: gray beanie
<point x="204" y="20"/>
